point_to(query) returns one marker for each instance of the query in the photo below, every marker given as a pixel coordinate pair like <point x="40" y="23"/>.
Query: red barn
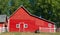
<point x="22" y="21"/>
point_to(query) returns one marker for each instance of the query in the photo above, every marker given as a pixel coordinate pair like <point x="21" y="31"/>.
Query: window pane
<point x="49" y="24"/>
<point x="25" y="26"/>
<point x="17" y="25"/>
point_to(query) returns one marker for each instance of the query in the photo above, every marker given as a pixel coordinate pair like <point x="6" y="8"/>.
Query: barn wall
<point x="31" y="25"/>
<point x="12" y="26"/>
<point x="43" y="23"/>
<point x="1" y="25"/>
<point x="38" y="22"/>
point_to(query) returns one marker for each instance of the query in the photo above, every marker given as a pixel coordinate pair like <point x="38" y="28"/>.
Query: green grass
<point x="28" y="33"/>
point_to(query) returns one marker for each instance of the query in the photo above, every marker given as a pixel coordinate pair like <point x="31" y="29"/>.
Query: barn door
<point x="21" y="27"/>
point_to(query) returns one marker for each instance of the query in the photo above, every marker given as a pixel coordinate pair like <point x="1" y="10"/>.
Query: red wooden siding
<point x="1" y="25"/>
<point x="30" y="23"/>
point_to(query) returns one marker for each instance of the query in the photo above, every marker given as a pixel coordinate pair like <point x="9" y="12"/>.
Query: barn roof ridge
<point x="30" y="14"/>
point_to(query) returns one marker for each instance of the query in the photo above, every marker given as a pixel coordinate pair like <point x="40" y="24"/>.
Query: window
<point x="49" y="25"/>
<point x="25" y="26"/>
<point x="17" y="25"/>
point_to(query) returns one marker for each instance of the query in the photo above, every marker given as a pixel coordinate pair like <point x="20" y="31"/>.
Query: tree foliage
<point x="48" y="9"/>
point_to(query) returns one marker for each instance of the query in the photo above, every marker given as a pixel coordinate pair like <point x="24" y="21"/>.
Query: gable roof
<point x="2" y="18"/>
<point x="31" y="15"/>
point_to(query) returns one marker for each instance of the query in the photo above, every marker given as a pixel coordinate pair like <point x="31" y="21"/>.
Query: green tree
<point x="48" y="9"/>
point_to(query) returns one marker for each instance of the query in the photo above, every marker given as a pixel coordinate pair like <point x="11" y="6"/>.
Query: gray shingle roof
<point x="2" y="18"/>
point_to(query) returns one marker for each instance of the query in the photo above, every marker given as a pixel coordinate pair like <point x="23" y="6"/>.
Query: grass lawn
<point x="28" y="33"/>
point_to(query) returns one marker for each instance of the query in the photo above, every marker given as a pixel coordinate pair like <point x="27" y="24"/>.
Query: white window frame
<point x="17" y="25"/>
<point x="49" y="24"/>
<point x="25" y="25"/>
